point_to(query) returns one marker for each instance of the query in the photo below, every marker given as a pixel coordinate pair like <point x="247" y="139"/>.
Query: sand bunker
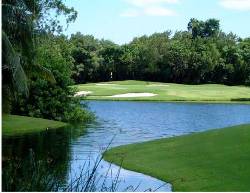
<point x="82" y="93"/>
<point x="133" y="95"/>
<point x="105" y="84"/>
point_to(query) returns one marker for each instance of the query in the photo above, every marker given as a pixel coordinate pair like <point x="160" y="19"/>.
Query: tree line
<point x="201" y="54"/>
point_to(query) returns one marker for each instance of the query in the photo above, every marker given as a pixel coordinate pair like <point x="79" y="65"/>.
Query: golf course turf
<point x="166" y="91"/>
<point x="215" y="160"/>
<point x="16" y="125"/>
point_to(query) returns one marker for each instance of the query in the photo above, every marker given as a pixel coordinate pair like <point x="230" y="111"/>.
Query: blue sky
<point x="122" y="20"/>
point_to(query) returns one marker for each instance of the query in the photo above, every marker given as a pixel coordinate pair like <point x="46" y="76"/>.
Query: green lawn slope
<point x="216" y="160"/>
<point x="16" y="125"/>
<point x="167" y="91"/>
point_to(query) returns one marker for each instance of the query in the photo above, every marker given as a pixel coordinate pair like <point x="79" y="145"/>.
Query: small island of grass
<point x="13" y="125"/>
<point x="216" y="160"/>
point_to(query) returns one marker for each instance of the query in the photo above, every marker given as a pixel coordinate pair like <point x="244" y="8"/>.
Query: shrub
<point x="53" y="100"/>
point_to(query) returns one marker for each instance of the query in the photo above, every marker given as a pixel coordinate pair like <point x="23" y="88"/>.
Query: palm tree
<point x="18" y="26"/>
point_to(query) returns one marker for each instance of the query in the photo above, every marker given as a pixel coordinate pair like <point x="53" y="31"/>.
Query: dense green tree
<point x="22" y="20"/>
<point x="244" y="47"/>
<point x="196" y="27"/>
<point x="85" y="57"/>
<point x="209" y="28"/>
<point x="49" y="100"/>
<point x="37" y="63"/>
<point x="203" y="54"/>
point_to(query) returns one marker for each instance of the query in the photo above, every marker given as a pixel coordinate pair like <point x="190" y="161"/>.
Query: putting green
<point x="166" y="91"/>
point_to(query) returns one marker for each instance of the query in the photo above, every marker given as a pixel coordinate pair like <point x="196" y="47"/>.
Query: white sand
<point x="104" y="84"/>
<point x="133" y="95"/>
<point x="82" y="93"/>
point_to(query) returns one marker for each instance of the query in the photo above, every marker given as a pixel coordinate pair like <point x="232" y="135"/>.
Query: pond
<point x="122" y="123"/>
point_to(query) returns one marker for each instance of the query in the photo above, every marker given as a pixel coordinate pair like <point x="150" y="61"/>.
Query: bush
<point x="53" y="100"/>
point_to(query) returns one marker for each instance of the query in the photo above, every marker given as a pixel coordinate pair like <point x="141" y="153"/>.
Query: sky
<point x="122" y="20"/>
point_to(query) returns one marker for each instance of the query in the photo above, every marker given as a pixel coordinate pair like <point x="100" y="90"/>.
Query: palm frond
<point x="41" y="72"/>
<point x="12" y="64"/>
<point x="17" y="23"/>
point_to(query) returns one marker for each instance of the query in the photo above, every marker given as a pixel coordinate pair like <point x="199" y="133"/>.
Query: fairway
<point x="13" y="125"/>
<point x="216" y="160"/>
<point x="165" y="91"/>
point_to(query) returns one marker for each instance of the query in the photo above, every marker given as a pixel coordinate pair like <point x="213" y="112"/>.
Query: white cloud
<point x="159" y="11"/>
<point x="130" y="13"/>
<point x="149" y="7"/>
<point x="241" y="5"/>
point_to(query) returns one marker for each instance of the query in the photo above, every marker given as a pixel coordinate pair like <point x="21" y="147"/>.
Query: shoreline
<point x="167" y="101"/>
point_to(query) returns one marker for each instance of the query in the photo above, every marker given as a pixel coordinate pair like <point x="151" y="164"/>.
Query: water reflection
<point x="66" y="150"/>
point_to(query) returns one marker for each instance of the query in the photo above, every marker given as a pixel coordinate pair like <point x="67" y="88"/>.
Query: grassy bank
<point x="216" y="160"/>
<point x="167" y="91"/>
<point x="15" y="125"/>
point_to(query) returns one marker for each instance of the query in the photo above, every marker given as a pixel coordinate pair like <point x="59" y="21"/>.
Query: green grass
<point x="168" y="91"/>
<point x="17" y="125"/>
<point x="217" y="160"/>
